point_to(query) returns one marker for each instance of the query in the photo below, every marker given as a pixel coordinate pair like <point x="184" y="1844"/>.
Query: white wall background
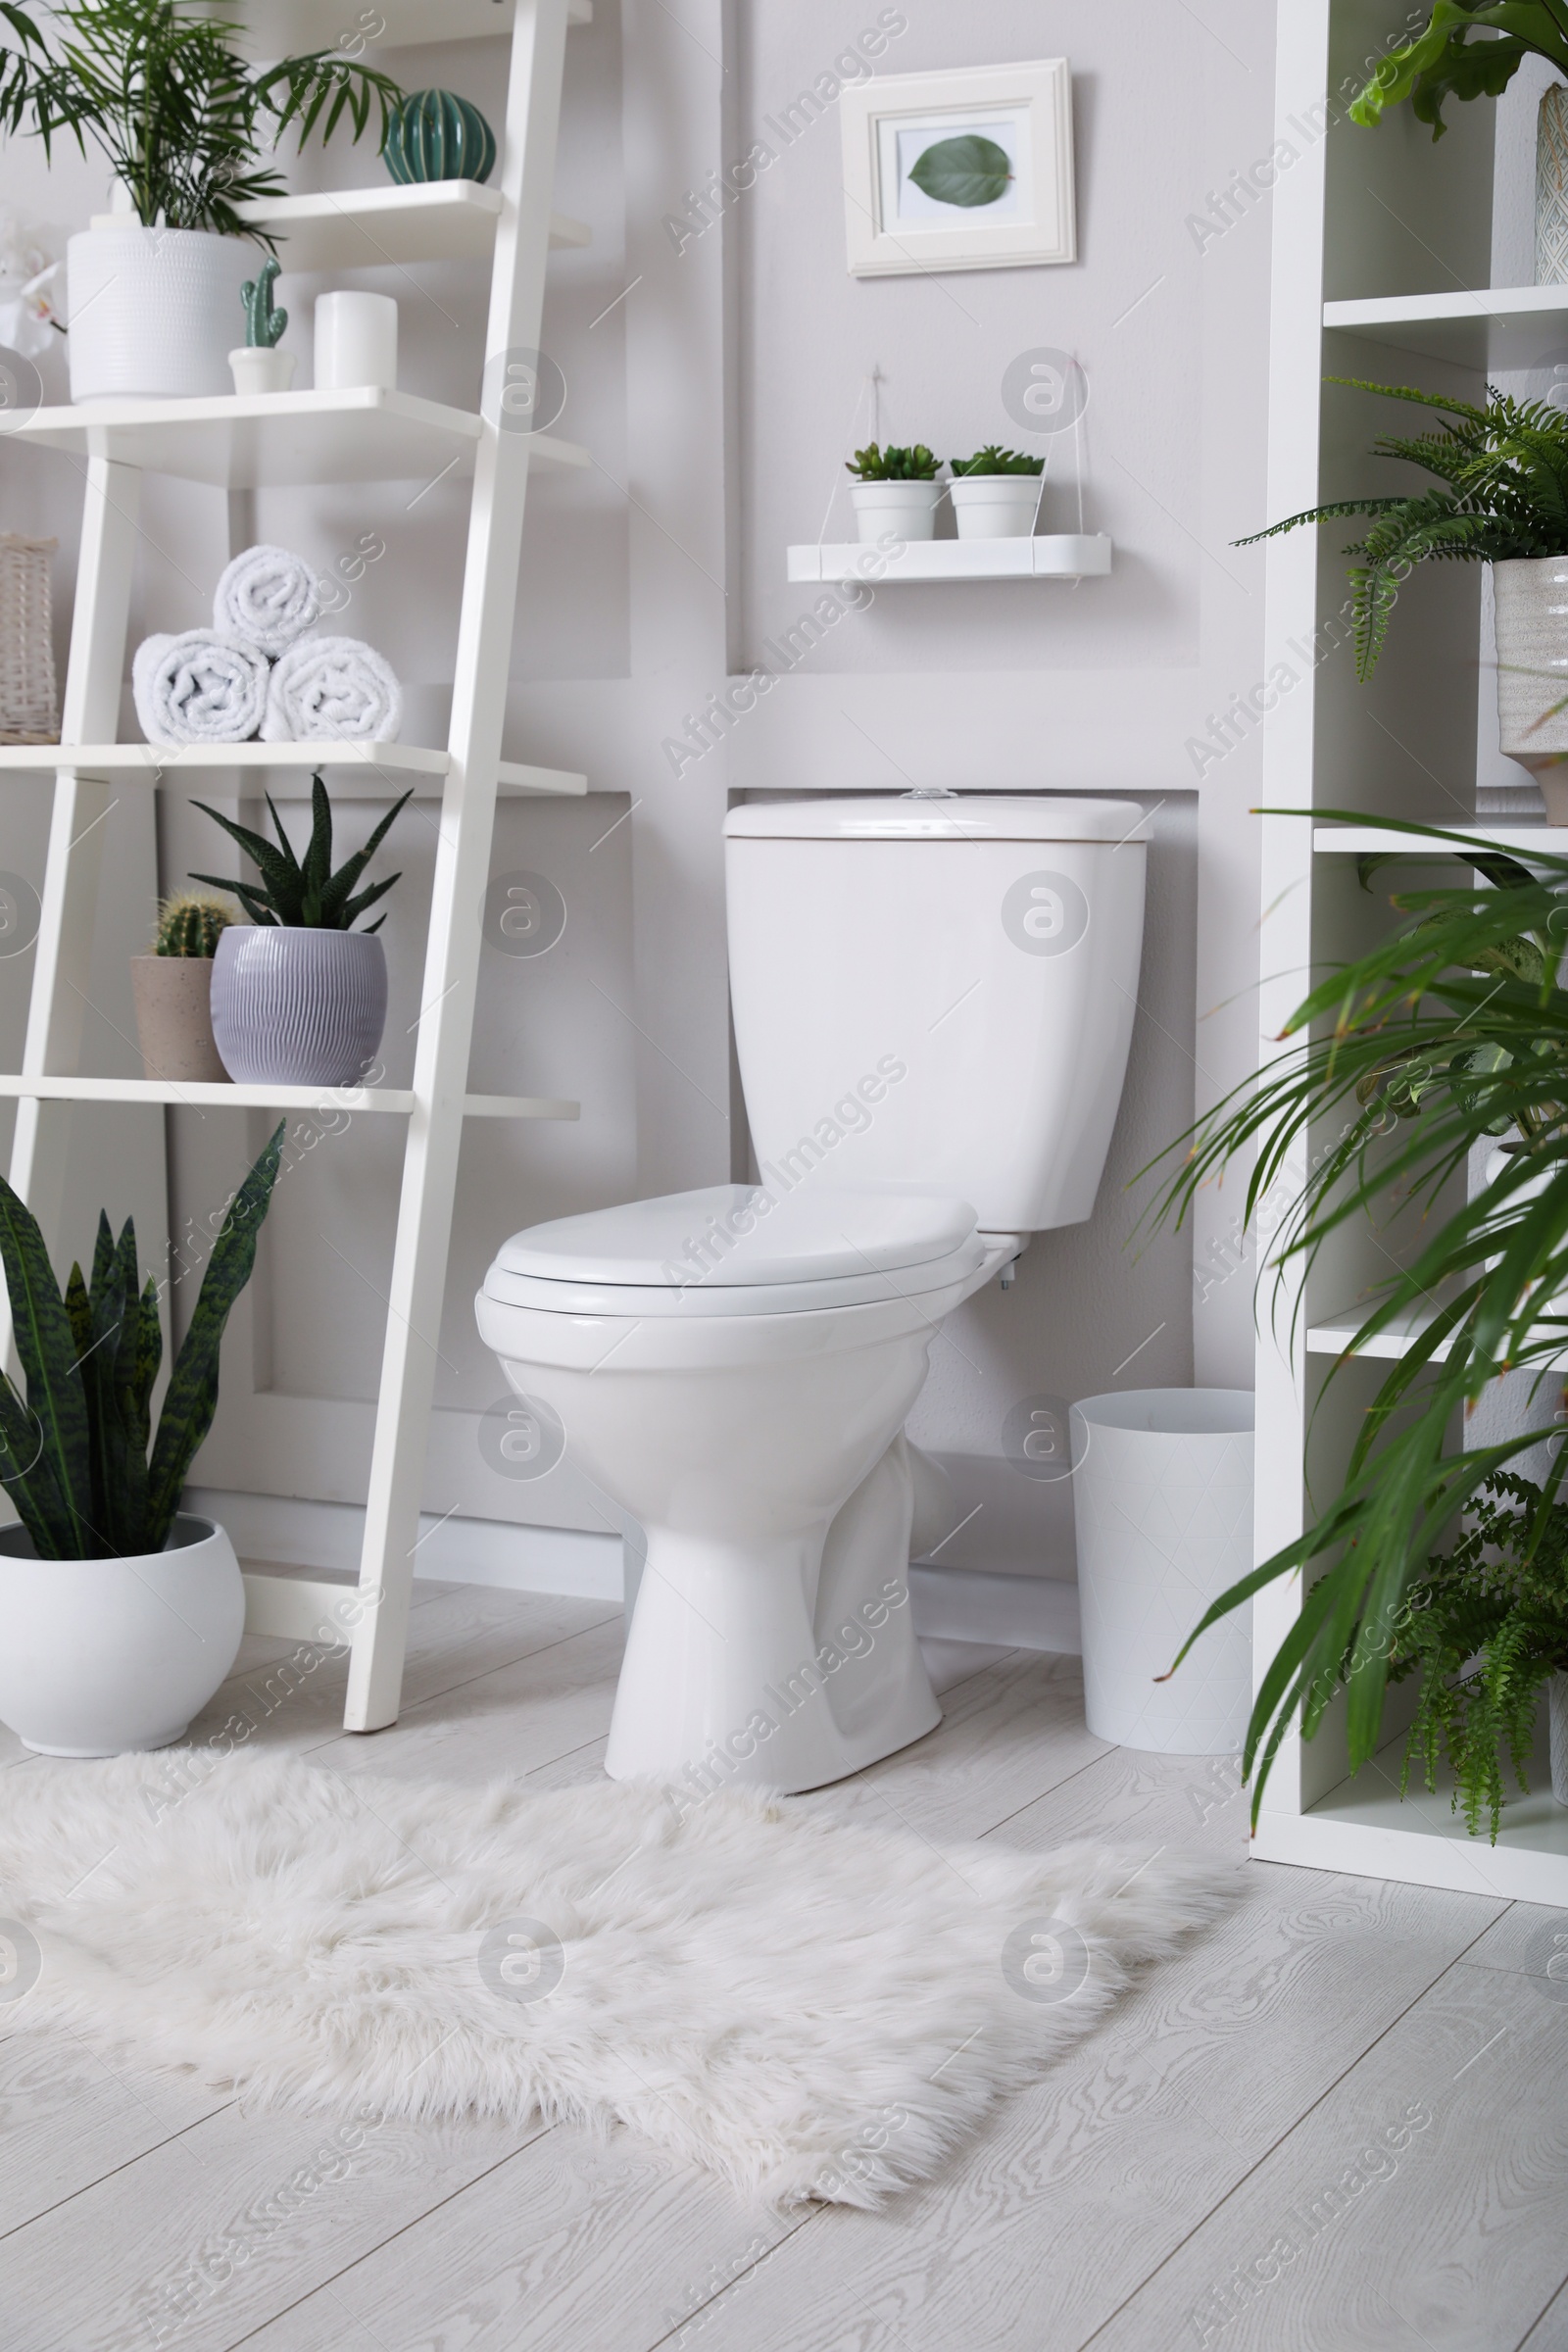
<point x="717" y="396"/>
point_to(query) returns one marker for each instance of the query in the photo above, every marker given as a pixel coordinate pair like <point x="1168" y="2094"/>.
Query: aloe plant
<point x="74" y="1452"/>
<point x="1506" y="468"/>
<point x="1442" y="61"/>
<point x="305" y="894"/>
<point x="893" y="463"/>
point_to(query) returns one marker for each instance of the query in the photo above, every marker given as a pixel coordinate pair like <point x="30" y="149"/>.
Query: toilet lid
<point x="965" y="816"/>
<point x="741" y="1249"/>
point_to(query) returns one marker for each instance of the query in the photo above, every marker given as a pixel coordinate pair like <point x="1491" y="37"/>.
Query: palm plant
<point x="1442" y="61"/>
<point x="74" y="1452"/>
<point x="1506" y="468"/>
<point x="1453" y="1030"/>
<point x="305" y="895"/>
<point x="181" y="117"/>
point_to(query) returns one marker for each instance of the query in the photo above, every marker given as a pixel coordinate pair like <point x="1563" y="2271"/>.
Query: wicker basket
<point x="29" y="712"/>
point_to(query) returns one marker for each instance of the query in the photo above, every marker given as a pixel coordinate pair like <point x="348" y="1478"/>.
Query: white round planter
<point x="98" y="1656"/>
<point x="1531" y="594"/>
<point x="153" y="311"/>
<point x="995" y="505"/>
<point x="256" y="369"/>
<point x="298" y="1007"/>
<point x="908" y="509"/>
<point x="1163" y="1495"/>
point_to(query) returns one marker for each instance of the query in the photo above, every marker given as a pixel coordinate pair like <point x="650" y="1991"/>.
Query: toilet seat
<point x="741" y="1249"/>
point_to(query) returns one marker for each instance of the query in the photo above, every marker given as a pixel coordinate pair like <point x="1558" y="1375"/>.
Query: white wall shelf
<point x="1065" y="556"/>
<point x="370" y="228"/>
<point x="288" y="27"/>
<point x="377" y="767"/>
<point x="278" y="440"/>
<point x="1371" y="841"/>
<point x="209" y="1094"/>
<point x="1513" y="327"/>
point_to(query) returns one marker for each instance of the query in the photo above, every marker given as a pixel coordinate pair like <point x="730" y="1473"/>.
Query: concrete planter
<point x="154" y="312"/>
<point x="101" y="1656"/>
<point x="298" y="1007"/>
<point x="174" y="1016"/>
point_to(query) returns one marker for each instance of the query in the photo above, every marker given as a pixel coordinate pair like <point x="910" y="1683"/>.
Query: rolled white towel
<point x="198" y="688"/>
<point x="332" y="687"/>
<point x="267" y="598"/>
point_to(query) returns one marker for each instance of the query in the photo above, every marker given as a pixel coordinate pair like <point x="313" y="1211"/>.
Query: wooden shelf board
<point x="394" y="1099"/>
<point x="1486" y="328"/>
<point x="376" y="227"/>
<point x="363" y="769"/>
<point x="1059" y="556"/>
<point x="288" y="27"/>
<point x="271" y="441"/>
<point x="1364" y="841"/>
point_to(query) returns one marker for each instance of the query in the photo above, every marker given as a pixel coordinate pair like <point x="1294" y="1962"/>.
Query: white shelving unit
<point x="1380" y="257"/>
<point x="1056" y="555"/>
<point x="306" y="438"/>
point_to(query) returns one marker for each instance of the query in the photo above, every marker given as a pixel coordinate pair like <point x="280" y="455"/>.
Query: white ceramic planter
<point x="153" y="311"/>
<point x="98" y="1656"/>
<point x="1531" y="594"/>
<point x="908" y="509"/>
<point x="258" y="370"/>
<point x="298" y="1007"/>
<point x="995" y="505"/>
<point x="1162" y="1493"/>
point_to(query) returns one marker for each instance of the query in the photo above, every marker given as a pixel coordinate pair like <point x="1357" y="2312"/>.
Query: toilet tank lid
<point x="968" y="816"/>
<point x="735" y="1235"/>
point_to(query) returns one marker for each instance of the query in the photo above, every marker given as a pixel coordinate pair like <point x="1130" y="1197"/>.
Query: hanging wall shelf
<point x="1064" y="556"/>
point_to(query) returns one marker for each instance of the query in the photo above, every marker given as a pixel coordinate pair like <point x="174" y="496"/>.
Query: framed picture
<point x="964" y="171"/>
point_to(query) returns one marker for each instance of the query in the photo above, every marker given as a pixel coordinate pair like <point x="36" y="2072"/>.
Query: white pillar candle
<point x="355" y="341"/>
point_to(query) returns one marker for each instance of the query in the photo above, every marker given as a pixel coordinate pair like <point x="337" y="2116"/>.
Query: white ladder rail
<point x="462" y="859"/>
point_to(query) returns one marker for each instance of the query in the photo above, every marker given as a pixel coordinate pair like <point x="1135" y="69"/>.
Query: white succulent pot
<point x="153" y="311"/>
<point x="907" y="509"/>
<point x="1557" y="1728"/>
<point x="257" y="369"/>
<point x="298" y="1007"/>
<point x="99" y="1657"/>
<point x="995" y="505"/>
<point x="1531" y="594"/>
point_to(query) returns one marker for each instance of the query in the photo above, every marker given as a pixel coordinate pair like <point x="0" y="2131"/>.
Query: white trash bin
<point x="1162" y="1493"/>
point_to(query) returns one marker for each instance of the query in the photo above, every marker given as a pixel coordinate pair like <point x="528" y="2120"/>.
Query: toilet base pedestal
<point x="782" y="1662"/>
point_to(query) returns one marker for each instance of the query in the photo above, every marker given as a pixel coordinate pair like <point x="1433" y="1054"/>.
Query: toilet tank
<point x="937" y="991"/>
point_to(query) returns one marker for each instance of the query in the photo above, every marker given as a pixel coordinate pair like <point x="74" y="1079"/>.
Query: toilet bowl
<point x="741" y="1410"/>
<point x="933" y="1001"/>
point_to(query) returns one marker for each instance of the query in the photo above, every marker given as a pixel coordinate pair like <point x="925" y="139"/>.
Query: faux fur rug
<point x="808" y="2009"/>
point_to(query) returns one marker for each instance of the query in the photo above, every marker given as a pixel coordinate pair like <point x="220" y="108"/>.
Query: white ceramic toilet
<point x="933" y="1001"/>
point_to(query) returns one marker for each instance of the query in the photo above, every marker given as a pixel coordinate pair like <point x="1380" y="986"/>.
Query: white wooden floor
<point x="1340" y="2121"/>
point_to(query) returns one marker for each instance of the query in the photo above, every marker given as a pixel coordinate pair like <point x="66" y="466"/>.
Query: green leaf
<point x="191" y="1400"/>
<point x="46" y="1347"/>
<point x="968" y="171"/>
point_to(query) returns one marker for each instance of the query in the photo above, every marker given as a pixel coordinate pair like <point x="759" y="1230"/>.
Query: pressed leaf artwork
<point x="969" y="171"/>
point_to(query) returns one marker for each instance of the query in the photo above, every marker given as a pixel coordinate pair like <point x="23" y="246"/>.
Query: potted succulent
<point x="1469" y="50"/>
<point x="299" y="996"/>
<point x="186" y="122"/>
<point x="1505" y="503"/>
<point x="258" y="365"/>
<point x="120" y="1615"/>
<point x="894" y="490"/>
<point x="996" y="494"/>
<point x="173" y="989"/>
<point x="1450" y="1033"/>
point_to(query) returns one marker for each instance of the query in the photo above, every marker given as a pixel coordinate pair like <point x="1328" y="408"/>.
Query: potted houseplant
<point x="894" y="490"/>
<point x="186" y="122"/>
<point x="996" y="494"/>
<point x="120" y="1615"/>
<point x="173" y="989"/>
<point x="1452" y="1033"/>
<point x="1469" y="50"/>
<point x="299" y="996"/>
<point x="258" y="365"/>
<point x="1504" y="502"/>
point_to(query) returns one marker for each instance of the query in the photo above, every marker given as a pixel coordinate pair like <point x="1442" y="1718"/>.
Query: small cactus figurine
<point x="191" y="925"/>
<point x="264" y="327"/>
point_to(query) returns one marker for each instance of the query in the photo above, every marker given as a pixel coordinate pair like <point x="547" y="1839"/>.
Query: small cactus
<point x="189" y="924"/>
<point x="264" y="327"/>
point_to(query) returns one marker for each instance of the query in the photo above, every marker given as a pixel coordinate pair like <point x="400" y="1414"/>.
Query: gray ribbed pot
<point x="298" y="1007"/>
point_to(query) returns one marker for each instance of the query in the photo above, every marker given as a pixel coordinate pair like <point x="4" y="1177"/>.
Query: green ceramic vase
<point x="436" y="135"/>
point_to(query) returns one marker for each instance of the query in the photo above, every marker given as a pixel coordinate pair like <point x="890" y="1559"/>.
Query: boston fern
<point x="1507" y="471"/>
<point x="305" y="896"/>
<point x="1453" y="1031"/>
<point x="182" y="118"/>
<point x="73" y="1453"/>
<point x="1483" y="1627"/>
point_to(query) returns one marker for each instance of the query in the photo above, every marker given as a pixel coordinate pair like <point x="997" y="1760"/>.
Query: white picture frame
<point x="891" y="121"/>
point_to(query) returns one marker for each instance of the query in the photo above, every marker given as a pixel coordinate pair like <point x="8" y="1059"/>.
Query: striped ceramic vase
<point x="1551" y="189"/>
<point x="298" y="1007"/>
